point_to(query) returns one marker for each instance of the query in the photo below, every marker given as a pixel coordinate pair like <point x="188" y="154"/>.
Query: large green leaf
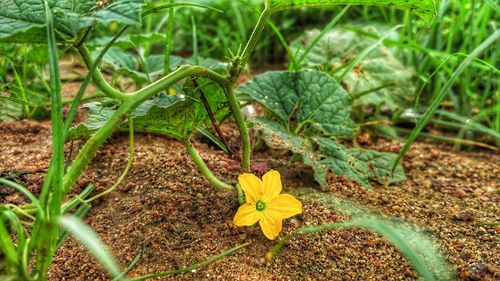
<point x="309" y="98"/>
<point x="177" y="116"/>
<point x="26" y="17"/>
<point x="422" y="8"/>
<point x="378" y="79"/>
<point x="326" y="155"/>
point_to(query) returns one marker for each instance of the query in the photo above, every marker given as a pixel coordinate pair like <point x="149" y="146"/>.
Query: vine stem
<point x="241" y="196"/>
<point x="242" y="128"/>
<point x="127" y="167"/>
<point x="131" y="102"/>
<point x="304" y="230"/>
<point x="97" y="76"/>
<point x="254" y="38"/>
<point x="233" y="103"/>
<point x="205" y="171"/>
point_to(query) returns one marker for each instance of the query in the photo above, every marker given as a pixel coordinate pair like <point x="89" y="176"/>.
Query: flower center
<point x="260" y="206"/>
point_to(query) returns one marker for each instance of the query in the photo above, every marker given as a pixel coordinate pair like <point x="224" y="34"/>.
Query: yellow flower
<point x="265" y="204"/>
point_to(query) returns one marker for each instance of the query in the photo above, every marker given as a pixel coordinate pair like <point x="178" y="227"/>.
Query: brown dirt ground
<point x="166" y="210"/>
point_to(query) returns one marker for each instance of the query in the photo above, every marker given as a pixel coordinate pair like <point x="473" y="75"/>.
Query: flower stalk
<point x="205" y="171"/>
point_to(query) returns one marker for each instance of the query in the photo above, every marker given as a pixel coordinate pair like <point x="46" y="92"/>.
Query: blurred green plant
<point x="414" y="244"/>
<point x="23" y="89"/>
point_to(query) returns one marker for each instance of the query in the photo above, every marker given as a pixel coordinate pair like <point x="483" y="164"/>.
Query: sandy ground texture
<point x="166" y="211"/>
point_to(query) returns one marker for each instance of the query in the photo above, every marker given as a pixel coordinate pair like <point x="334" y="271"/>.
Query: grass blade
<point x="191" y="267"/>
<point x="28" y="194"/>
<point x="80" y="213"/>
<point x="426" y="9"/>
<point x="285" y="45"/>
<point x="91" y="242"/>
<point x="7" y="247"/>
<point x="168" y="39"/>
<point x="70" y="204"/>
<point x="213" y="138"/>
<point x="442" y="93"/>
<point x="414" y="245"/>
<point x="469" y="123"/>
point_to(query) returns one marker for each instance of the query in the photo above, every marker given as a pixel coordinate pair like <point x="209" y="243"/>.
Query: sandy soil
<point x="166" y="210"/>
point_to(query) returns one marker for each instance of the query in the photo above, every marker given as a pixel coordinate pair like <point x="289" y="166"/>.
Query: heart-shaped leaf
<point x="308" y="98"/>
<point x="326" y="155"/>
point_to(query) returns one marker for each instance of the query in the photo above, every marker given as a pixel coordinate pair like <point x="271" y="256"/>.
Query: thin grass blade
<point x="442" y="94"/>
<point x="91" y="242"/>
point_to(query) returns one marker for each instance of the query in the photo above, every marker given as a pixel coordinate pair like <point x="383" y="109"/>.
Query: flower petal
<point x="284" y="206"/>
<point x="272" y="185"/>
<point x="252" y="186"/>
<point x="270" y="226"/>
<point x="246" y="215"/>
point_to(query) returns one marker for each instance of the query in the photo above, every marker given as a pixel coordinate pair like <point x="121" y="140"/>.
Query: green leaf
<point x="379" y="78"/>
<point x="423" y="8"/>
<point x="98" y="115"/>
<point x="276" y="136"/>
<point x="26" y="17"/>
<point x="326" y="155"/>
<point x="360" y="165"/>
<point x="308" y="98"/>
<point x="10" y="109"/>
<point x="177" y="116"/>
<point x="120" y="60"/>
<point x="126" y="12"/>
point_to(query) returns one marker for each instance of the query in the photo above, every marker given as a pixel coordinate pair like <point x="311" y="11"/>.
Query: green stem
<point x="92" y="145"/>
<point x="168" y="39"/>
<point x="70" y="116"/>
<point x="87" y="98"/>
<point x="254" y="38"/>
<point x="233" y="103"/>
<point x="243" y="129"/>
<point x="127" y="167"/>
<point x="205" y="171"/>
<point x="241" y="197"/>
<point x="97" y="76"/>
